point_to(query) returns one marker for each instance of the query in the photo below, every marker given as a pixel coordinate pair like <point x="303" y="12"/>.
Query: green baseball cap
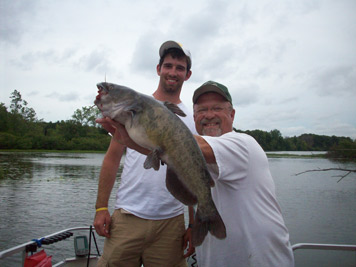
<point x="211" y="86"/>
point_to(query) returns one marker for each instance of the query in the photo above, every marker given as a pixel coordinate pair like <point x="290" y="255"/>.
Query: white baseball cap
<point x="172" y="44"/>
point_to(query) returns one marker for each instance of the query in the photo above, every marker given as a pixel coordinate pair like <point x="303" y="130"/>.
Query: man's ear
<point x="189" y="73"/>
<point x="233" y="114"/>
<point x="158" y="69"/>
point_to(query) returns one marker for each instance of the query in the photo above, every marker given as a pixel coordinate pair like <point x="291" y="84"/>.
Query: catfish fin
<point x="132" y="110"/>
<point x="214" y="224"/>
<point x="178" y="189"/>
<point x="200" y="230"/>
<point x="174" y="108"/>
<point x="116" y="114"/>
<point x="152" y="160"/>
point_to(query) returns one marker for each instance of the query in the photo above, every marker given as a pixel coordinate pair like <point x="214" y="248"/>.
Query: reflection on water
<point x="12" y="166"/>
<point x="35" y="165"/>
<point x="41" y="193"/>
<point x="316" y="208"/>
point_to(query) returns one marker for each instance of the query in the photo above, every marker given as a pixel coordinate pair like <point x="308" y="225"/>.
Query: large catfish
<point x="153" y="125"/>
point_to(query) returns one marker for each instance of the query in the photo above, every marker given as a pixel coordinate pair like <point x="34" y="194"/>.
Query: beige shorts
<point x="134" y="241"/>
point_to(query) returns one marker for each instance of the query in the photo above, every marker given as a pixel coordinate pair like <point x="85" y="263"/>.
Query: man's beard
<point x="212" y="132"/>
<point x="170" y="89"/>
<point x="208" y="131"/>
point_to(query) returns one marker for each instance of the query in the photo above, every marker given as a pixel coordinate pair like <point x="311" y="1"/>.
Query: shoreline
<point x="270" y="154"/>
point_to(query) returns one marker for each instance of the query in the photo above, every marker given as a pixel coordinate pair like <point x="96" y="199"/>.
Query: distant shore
<point x="270" y="154"/>
<point x="290" y="155"/>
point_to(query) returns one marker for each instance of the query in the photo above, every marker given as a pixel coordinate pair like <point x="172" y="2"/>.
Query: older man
<point x="244" y="191"/>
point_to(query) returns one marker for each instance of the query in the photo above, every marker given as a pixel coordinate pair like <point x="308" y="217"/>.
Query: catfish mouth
<point x="101" y="87"/>
<point x="102" y="90"/>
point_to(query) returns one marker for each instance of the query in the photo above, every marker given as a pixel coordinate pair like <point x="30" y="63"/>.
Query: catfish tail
<point x="214" y="224"/>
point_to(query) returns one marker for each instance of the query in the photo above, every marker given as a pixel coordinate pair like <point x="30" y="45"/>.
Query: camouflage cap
<point x="211" y="86"/>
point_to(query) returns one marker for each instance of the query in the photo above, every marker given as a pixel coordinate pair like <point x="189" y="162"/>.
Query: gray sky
<point x="289" y="64"/>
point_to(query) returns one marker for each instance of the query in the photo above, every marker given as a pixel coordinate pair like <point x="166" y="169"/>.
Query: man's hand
<point x="117" y="130"/>
<point x="119" y="133"/>
<point x="105" y="123"/>
<point x="102" y="223"/>
<point x="188" y="239"/>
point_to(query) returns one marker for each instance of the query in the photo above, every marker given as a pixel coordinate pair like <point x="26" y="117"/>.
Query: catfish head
<point x="114" y="100"/>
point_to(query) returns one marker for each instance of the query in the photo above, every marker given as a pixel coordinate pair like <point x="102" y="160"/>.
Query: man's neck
<point x="162" y="96"/>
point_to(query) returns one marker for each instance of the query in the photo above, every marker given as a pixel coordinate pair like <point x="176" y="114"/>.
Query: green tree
<point x="4" y="118"/>
<point x="19" y="106"/>
<point x="16" y="102"/>
<point x="345" y="149"/>
<point x="86" y="116"/>
<point x="27" y="113"/>
<point x="69" y="129"/>
<point x="277" y="141"/>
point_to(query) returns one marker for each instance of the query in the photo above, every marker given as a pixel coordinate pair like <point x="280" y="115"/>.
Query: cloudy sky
<point x="289" y="64"/>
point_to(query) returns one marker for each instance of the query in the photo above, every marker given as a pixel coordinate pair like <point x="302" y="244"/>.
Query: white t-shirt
<point x="244" y="195"/>
<point x="143" y="192"/>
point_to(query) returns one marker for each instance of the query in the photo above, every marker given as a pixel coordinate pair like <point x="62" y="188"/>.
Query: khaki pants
<point x="134" y="241"/>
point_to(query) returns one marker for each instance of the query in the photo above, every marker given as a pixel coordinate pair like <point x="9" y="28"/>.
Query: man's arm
<point x="107" y="179"/>
<point x="188" y="234"/>
<point x="109" y="168"/>
<point x="208" y="152"/>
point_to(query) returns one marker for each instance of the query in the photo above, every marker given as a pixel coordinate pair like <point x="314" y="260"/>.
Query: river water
<point x="41" y="193"/>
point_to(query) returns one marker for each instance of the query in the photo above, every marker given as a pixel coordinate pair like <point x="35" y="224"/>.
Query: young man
<point x="244" y="191"/>
<point x="147" y="226"/>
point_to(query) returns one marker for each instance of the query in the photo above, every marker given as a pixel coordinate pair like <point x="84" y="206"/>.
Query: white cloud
<point x="289" y="65"/>
<point x="335" y="80"/>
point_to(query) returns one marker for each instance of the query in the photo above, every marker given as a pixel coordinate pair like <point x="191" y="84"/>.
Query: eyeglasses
<point x="216" y="109"/>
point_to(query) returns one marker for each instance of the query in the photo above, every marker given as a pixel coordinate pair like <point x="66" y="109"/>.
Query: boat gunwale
<point x="321" y="246"/>
<point x="22" y="247"/>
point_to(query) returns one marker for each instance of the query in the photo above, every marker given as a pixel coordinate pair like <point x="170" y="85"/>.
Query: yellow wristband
<point x="100" y="209"/>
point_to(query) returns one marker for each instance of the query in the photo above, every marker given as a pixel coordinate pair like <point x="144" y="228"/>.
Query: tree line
<point x="336" y="147"/>
<point x="21" y="129"/>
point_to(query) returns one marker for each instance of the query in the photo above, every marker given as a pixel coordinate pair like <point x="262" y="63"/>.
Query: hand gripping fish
<point x="154" y="126"/>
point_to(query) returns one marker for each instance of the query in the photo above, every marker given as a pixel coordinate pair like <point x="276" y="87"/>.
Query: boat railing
<point x="32" y="246"/>
<point x="319" y="246"/>
<point x="63" y="234"/>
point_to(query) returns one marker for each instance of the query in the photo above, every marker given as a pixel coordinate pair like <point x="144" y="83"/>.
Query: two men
<point x="244" y="192"/>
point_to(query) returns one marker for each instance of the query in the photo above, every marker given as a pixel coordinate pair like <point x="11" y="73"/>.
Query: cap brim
<point x="167" y="45"/>
<point x="172" y="44"/>
<point x="207" y="89"/>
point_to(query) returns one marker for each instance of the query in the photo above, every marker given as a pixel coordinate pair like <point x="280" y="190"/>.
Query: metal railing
<point x="324" y="246"/>
<point x="22" y="247"/>
<point x="317" y="246"/>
